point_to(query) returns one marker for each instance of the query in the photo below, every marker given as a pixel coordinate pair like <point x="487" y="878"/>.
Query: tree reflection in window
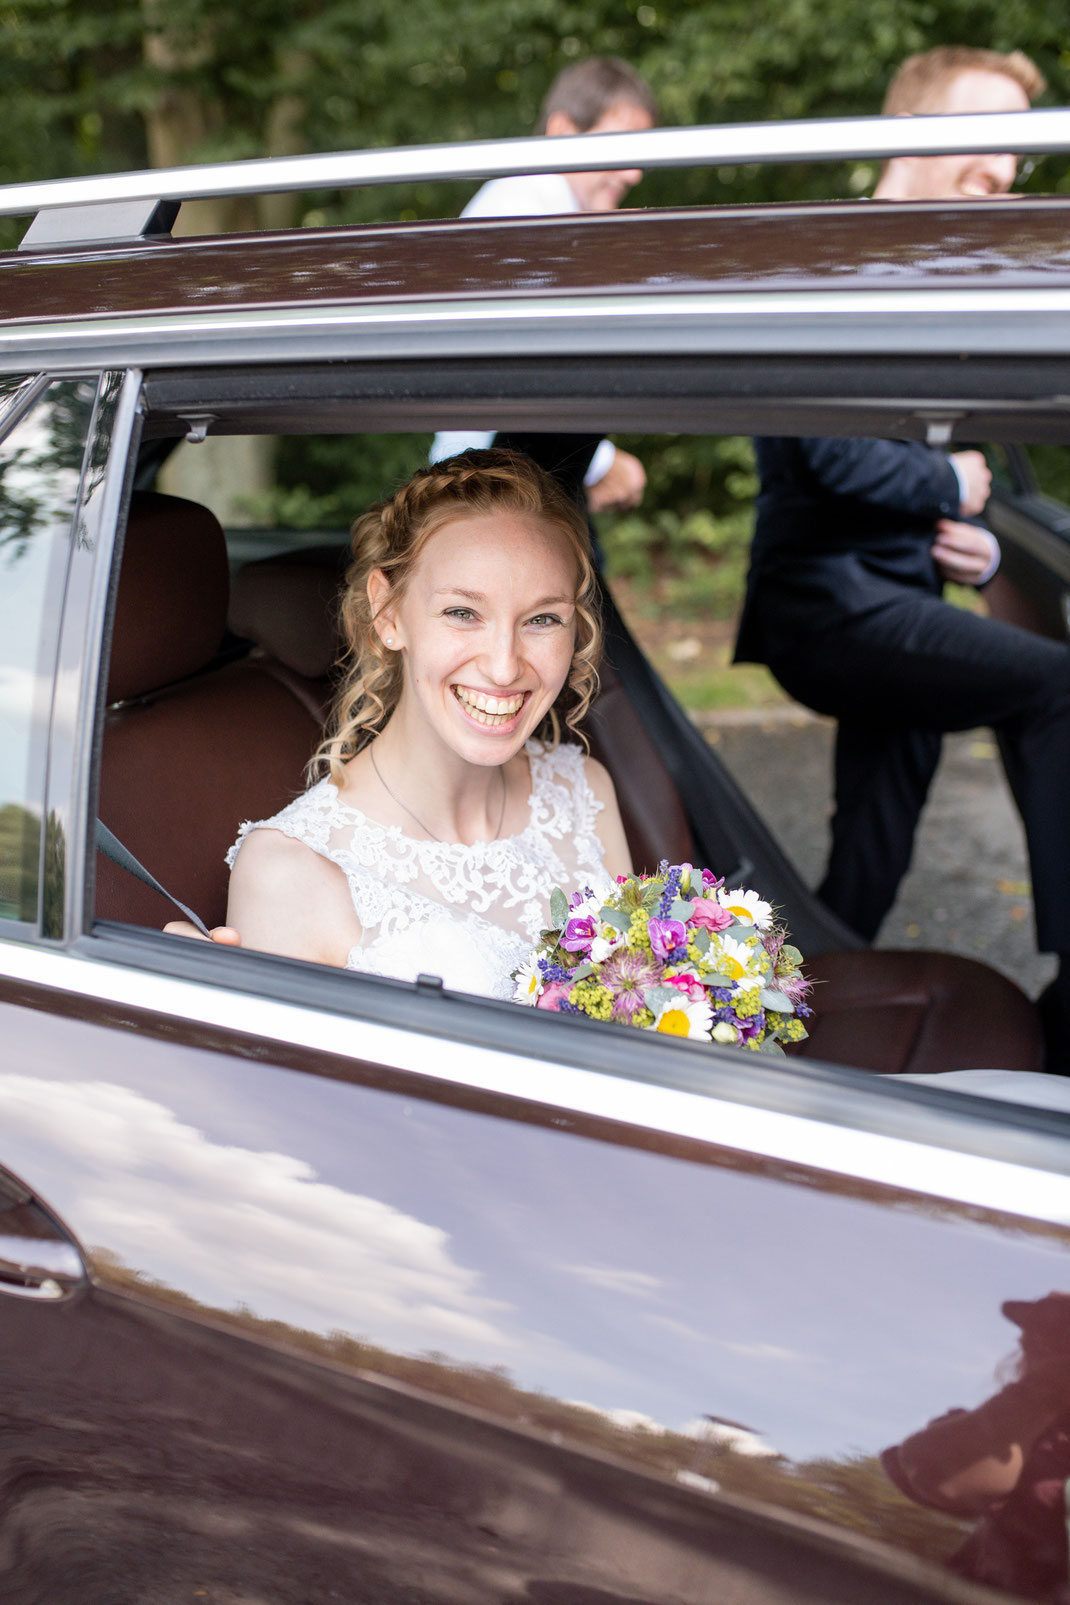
<point x="41" y="465"/>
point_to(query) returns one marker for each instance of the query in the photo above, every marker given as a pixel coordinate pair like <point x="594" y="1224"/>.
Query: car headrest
<point x="288" y="605"/>
<point x="174" y="585"/>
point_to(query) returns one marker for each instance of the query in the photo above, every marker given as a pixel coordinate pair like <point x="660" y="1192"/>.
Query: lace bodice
<point x="468" y="914"/>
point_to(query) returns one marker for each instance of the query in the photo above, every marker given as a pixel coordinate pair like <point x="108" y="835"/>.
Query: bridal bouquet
<point x="672" y="952"/>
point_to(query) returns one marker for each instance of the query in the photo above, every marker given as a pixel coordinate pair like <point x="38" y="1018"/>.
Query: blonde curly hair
<point x="390" y="537"/>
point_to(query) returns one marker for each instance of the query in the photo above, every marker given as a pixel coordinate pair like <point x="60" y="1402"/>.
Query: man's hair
<point x="919" y="84"/>
<point x="586" y="91"/>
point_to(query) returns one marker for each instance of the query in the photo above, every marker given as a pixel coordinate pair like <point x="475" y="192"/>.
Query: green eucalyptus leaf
<point x="702" y="939"/>
<point x="791" y="955"/>
<point x="659" y="997"/>
<point x="582" y="971"/>
<point x="681" y="910"/>
<point x="717" y="980"/>
<point x="558" y="907"/>
<point x="616" y="917"/>
<point x="776" y="1001"/>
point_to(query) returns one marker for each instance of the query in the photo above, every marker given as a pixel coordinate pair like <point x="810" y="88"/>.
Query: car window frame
<point x="198" y="984"/>
<point x="57" y="792"/>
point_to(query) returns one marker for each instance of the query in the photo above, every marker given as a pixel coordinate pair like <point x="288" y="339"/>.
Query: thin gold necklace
<point x="406" y="809"/>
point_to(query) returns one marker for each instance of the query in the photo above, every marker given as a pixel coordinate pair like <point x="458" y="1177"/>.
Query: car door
<point x="319" y="1286"/>
<point x="1028" y="512"/>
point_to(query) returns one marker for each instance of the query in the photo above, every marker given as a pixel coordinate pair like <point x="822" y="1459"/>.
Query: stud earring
<point x="388" y="640"/>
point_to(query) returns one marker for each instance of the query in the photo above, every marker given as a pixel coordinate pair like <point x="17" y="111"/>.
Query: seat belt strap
<point x="112" y="848"/>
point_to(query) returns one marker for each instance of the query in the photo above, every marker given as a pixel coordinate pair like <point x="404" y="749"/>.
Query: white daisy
<point x="603" y="946"/>
<point x="528" y="984"/>
<point x="682" y="1018"/>
<point x="747" y="905"/>
<point x="737" y="960"/>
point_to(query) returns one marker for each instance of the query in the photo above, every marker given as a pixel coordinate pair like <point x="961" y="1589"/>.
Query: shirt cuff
<point x="964" y="489"/>
<point x="600" y="463"/>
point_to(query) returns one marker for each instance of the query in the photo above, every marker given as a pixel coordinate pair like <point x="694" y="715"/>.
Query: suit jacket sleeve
<point x="899" y="475"/>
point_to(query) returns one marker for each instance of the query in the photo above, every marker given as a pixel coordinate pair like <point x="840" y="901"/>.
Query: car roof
<point x="1022" y="243"/>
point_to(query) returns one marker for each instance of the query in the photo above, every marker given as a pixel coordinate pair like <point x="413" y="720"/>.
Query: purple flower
<point x="751" y="1027"/>
<point x="578" y="935"/>
<point x="794" y="986"/>
<point x="672" y="887"/>
<point x="665" y="935"/>
<point x="711" y="881"/>
<point x="625" y="975"/>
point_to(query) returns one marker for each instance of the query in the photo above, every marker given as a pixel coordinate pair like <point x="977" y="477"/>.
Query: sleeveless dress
<point x="469" y="914"/>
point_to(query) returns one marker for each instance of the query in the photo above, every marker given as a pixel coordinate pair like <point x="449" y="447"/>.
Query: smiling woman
<point x="451" y="808"/>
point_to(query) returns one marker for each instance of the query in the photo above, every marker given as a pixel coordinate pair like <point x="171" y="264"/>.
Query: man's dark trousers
<point x="896" y="680"/>
<point x="844" y="604"/>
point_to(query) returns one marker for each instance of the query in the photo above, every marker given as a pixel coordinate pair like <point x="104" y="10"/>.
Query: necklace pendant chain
<point x="391" y="793"/>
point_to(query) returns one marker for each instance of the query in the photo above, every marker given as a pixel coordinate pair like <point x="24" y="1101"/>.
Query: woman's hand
<point x="226" y="935"/>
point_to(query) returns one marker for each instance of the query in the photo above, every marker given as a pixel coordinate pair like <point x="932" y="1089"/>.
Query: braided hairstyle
<point x="390" y="537"/>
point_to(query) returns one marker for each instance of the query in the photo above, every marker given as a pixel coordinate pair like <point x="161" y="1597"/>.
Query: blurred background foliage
<point x="98" y="85"/>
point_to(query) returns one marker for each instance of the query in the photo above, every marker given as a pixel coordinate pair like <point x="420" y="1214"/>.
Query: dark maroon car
<point x="319" y="1287"/>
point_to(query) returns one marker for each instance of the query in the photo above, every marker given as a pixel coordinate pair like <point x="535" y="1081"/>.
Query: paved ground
<point x="968" y="889"/>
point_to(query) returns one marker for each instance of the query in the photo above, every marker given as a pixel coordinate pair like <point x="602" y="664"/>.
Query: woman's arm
<point x="615" y="847"/>
<point x="285" y="898"/>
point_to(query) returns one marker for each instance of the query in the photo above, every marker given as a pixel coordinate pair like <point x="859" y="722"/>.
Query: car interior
<point x="221" y="669"/>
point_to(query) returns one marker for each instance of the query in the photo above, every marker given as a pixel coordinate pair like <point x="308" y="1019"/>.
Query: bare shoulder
<point x="279" y="861"/>
<point x="600" y="780"/>
<point x="610" y="826"/>
<point x="286" y="898"/>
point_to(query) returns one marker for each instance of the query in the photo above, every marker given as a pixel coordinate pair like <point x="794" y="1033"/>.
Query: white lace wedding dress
<point x="467" y="914"/>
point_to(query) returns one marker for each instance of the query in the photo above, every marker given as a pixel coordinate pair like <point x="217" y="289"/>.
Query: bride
<point x="448" y="807"/>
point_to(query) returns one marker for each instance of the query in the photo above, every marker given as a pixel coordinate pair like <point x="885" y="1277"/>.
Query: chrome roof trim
<point x="959" y="1177"/>
<point x="925" y="322"/>
<point x="834" y="139"/>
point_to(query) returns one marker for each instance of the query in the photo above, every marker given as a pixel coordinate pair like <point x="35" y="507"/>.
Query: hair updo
<point x="391" y="535"/>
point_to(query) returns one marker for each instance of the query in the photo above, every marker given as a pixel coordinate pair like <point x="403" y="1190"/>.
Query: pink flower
<point x="579" y="934"/>
<point x="708" y="915"/>
<point x="710" y="881"/>
<point x="553" y="995"/>
<point x="625" y="976"/>
<point x="666" y="936"/>
<point x="689" y="984"/>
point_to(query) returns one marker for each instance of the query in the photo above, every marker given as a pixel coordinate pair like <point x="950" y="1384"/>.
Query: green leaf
<point x="702" y="939"/>
<point x="659" y="997"/>
<point x="558" y="908"/>
<point x="582" y="971"/>
<point x="771" y="1045"/>
<point x="681" y="910"/>
<point x="616" y="917"/>
<point x="717" y="980"/>
<point x="776" y="1001"/>
<point x="791" y="955"/>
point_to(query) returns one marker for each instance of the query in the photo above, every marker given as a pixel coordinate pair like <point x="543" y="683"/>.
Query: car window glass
<point x="1051" y="465"/>
<point x="40" y="469"/>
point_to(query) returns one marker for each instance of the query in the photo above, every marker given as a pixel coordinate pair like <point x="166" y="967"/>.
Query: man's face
<point x="601" y="192"/>
<point x="937" y="178"/>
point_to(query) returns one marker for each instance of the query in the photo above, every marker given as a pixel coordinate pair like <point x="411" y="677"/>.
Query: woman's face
<point x="487" y="627"/>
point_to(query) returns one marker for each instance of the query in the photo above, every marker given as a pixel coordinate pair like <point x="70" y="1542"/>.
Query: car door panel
<point x="347" y="1337"/>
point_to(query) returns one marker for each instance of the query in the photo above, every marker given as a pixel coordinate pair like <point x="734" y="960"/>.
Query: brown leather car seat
<point x="189" y="751"/>
<point x="650" y="807"/>
<point x="287" y="605"/>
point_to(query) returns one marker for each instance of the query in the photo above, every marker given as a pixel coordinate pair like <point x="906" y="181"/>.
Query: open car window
<point x="238" y="697"/>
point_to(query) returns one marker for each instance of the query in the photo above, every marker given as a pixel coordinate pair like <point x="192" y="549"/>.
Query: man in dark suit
<point x="853" y="542"/>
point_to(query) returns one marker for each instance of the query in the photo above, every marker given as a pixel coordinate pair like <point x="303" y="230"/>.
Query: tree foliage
<point x="96" y="85"/>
